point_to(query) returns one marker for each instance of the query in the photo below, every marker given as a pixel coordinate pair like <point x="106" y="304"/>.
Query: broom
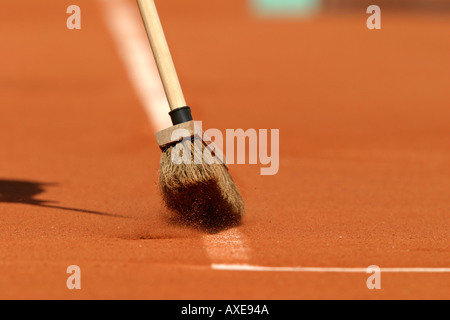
<point x="201" y="193"/>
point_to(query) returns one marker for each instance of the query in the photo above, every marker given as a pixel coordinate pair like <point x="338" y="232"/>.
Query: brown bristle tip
<point x="203" y="195"/>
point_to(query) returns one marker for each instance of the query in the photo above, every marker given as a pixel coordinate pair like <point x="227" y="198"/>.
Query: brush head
<point x="203" y="195"/>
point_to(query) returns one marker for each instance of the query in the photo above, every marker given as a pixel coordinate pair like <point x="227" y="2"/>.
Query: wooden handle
<point x="162" y="54"/>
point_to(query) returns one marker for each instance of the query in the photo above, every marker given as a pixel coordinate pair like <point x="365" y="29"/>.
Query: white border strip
<point x="246" y="267"/>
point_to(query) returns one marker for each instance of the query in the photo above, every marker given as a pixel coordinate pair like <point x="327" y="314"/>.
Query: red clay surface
<point x="364" y="165"/>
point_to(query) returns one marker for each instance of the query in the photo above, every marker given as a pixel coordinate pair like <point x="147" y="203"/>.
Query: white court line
<point x="245" y="267"/>
<point x="125" y="23"/>
<point x="227" y="246"/>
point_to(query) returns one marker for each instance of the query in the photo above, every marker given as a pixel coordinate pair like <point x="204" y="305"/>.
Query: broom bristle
<point x="201" y="194"/>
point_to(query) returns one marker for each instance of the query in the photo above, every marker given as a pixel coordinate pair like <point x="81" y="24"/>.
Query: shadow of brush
<point x="24" y="192"/>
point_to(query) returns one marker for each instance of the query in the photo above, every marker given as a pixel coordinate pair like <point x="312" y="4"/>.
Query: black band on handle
<point x="181" y="115"/>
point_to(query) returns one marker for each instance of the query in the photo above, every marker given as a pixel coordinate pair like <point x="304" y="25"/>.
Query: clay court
<point x="364" y="177"/>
